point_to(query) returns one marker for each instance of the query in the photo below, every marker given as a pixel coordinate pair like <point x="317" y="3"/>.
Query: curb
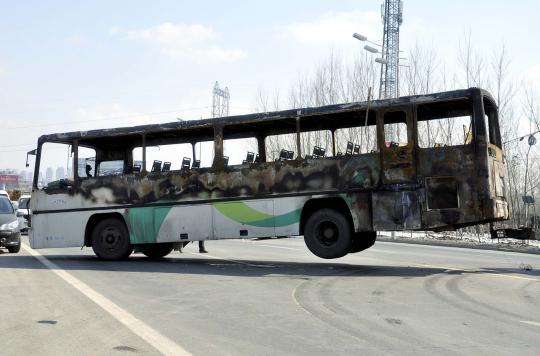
<point x="463" y="244"/>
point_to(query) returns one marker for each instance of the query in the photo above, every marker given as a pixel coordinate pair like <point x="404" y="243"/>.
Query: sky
<point x="78" y="65"/>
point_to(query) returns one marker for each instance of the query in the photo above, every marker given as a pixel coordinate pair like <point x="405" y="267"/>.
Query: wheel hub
<point x="327" y="233"/>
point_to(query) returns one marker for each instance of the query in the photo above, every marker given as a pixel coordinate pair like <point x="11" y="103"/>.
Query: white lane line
<point x="234" y="261"/>
<point x="282" y="247"/>
<point x="535" y="323"/>
<point x="162" y="343"/>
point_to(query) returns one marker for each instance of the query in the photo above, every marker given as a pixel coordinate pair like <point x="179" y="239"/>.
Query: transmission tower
<point x="220" y="101"/>
<point x="392" y="17"/>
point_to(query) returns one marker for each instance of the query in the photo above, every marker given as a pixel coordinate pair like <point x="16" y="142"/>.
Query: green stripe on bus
<point x="242" y="213"/>
<point x="144" y="223"/>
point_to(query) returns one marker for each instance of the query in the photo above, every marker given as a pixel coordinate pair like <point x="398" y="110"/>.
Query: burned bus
<point x="434" y="162"/>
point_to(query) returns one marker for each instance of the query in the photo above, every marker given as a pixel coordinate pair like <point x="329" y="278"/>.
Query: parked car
<point x="10" y="234"/>
<point x="23" y="212"/>
<point x="3" y="193"/>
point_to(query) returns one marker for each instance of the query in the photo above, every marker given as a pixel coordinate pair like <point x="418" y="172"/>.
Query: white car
<point x="4" y="193"/>
<point x="23" y="212"/>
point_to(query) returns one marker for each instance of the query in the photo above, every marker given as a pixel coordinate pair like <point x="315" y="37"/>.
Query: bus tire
<point x="328" y="234"/>
<point x="157" y="251"/>
<point x="110" y="240"/>
<point x="362" y="241"/>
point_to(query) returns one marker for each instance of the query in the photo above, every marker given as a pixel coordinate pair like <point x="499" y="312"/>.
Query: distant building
<point x="60" y="173"/>
<point x="49" y="175"/>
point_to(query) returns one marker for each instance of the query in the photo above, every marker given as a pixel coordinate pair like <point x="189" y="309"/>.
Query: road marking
<point x="535" y="323"/>
<point x="282" y="247"/>
<point x="293" y="295"/>
<point x="162" y="343"/>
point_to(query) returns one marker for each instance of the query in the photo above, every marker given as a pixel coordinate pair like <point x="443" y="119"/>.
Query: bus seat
<point x="349" y="149"/>
<point x="318" y="152"/>
<point x="250" y="157"/>
<point x="283" y="154"/>
<point x="166" y="167"/>
<point x="156" y="166"/>
<point x="225" y="160"/>
<point x="356" y="150"/>
<point x="137" y="168"/>
<point x="257" y="159"/>
<point x="290" y="154"/>
<point x="196" y="164"/>
<point x="186" y="162"/>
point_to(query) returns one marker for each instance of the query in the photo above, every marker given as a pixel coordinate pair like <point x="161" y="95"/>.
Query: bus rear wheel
<point x="362" y="241"/>
<point x="110" y="240"/>
<point x="327" y="234"/>
<point x="157" y="251"/>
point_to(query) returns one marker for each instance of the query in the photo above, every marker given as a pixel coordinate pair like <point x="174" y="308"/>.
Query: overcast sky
<point x="67" y="65"/>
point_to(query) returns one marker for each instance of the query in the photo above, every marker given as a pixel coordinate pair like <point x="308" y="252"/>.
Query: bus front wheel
<point x="110" y="240"/>
<point x="157" y="251"/>
<point x="328" y="234"/>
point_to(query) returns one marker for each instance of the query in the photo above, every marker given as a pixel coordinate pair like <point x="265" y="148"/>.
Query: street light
<point x="363" y="38"/>
<point x="371" y="49"/>
<point x="359" y="37"/>
<point x="381" y="60"/>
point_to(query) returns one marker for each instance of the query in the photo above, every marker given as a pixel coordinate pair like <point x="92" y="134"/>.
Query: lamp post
<point x="531" y="141"/>
<point x="382" y="61"/>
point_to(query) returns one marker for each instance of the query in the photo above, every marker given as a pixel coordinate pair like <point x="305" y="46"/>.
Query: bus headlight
<point x="11" y="226"/>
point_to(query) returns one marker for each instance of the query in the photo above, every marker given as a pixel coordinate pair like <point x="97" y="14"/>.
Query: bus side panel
<point x="58" y="229"/>
<point x="237" y="219"/>
<point x="169" y="224"/>
<point x="450" y="194"/>
<point x="183" y="223"/>
<point x="287" y="212"/>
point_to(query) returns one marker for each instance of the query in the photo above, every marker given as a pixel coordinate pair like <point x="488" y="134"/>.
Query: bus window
<point x="204" y="152"/>
<point x="86" y="166"/>
<point x="438" y="126"/>
<point x="493" y="135"/>
<point x="277" y="143"/>
<point x="316" y="143"/>
<point x="237" y="150"/>
<point x="395" y="129"/>
<point x="56" y="163"/>
<point x="356" y="140"/>
<point x="169" y="153"/>
<point x="110" y="168"/>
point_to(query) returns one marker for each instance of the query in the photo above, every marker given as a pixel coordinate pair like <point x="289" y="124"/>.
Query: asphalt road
<point x="271" y="297"/>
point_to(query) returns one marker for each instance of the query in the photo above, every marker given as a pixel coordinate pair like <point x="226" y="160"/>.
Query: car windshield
<point x="5" y="207"/>
<point x="23" y="203"/>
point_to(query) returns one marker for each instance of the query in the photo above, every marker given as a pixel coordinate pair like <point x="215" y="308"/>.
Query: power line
<point x="103" y="119"/>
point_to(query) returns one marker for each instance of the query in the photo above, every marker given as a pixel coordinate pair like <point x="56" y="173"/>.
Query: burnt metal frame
<point x="258" y="125"/>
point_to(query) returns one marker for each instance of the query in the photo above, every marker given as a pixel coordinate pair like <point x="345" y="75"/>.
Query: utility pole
<point x="220" y="101"/>
<point x="392" y="16"/>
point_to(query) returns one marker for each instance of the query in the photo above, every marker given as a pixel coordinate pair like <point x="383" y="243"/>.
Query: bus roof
<point x="249" y="125"/>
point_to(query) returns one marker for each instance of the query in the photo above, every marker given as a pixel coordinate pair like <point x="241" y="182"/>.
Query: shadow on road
<point x="245" y="268"/>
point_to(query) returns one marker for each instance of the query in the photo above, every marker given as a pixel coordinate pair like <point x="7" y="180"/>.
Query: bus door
<point x="396" y="206"/>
